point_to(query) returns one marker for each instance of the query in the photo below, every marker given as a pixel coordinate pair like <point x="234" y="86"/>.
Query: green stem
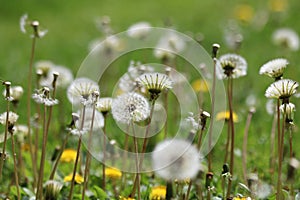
<point x="230" y="85"/>
<point x="88" y="158"/>
<point x="15" y="165"/>
<point x="3" y="155"/>
<point x="39" y="192"/>
<point x="245" y="142"/>
<point x="33" y="161"/>
<point x="211" y="125"/>
<point x="77" y="155"/>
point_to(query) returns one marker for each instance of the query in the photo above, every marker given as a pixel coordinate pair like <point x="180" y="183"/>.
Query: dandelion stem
<point x="212" y="116"/>
<point x="280" y="157"/>
<point x="33" y="161"/>
<point x="291" y="140"/>
<point x="88" y="158"/>
<point x="39" y="192"/>
<point x="77" y="155"/>
<point x="272" y="144"/>
<point x="137" y="177"/>
<point x="230" y="87"/>
<point x="145" y="143"/>
<point x="189" y="190"/>
<point x="104" y="155"/>
<point x="3" y="155"/>
<point x="15" y="165"/>
<point x="227" y="142"/>
<point x="245" y="142"/>
<point x="166" y="107"/>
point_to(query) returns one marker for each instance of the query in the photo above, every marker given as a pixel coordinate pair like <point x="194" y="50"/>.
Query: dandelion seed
<point x="130" y="107"/>
<point x="23" y="23"/>
<point x="68" y="155"/>
<point x="155" y="83"/>
<point x="139" y="30"/>
<point x="231" y="65"/>
<point x="282" y="89"/>
<point x="176" y="159"/>
<point x="113" y="173"/>
<point x="80" y="91"/>
<point x="78" y="178"/>
<point x="286" y="38"/>
<point x="274" y="68"/>
<point x="158" y="192"/>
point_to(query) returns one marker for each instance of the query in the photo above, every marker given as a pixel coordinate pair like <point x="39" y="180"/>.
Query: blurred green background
<point x="71" y="27"/>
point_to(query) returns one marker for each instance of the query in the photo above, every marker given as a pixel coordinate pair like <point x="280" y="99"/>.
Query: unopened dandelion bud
<point x="46" y="91"/>
<point x="55" y="76"/>
<point x="7" y="87"/>
<point x="35" y="25"/>
<point x="208" y="180"/>
<point x="55" y="153"/>
<point x="225" y="169"/>
<point x="203" y="117"/>
<point x="75" y="118"/>
<point x="215" y="49"/>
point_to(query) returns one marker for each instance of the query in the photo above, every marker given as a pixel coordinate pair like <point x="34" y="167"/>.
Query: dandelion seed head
<point x="168" y="46"/>
<point x="12" y="118"/>
<point x="130" y="107"/>
<point x="16" y="92"/>
<point x="52" y="189"/>
<point x="80" y="91"/>
<point x="286" y="38"/>
<point x="128" y="81"/>
<point x="139" y="30"/>
<point x="282" y="89"/>
<point x="288" y="109"/>
<point x="231" y="65"/>
<point x="155" y="83"/>
<point x="104" y="104"/>
<point x="176" y="159"/>
<point x="274" y="68"/>
<point x="87" y="120"/>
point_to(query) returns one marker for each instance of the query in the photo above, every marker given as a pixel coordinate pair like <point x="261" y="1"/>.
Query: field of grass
<point x="72" y="27"/>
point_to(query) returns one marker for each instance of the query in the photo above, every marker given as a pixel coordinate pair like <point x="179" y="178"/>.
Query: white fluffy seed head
<point x="176" y="159"/>
<point x="232" y="65"/>
<point x="130" y="107"/>
<point x="282" y="89"/>
<point x="274" y="68"/>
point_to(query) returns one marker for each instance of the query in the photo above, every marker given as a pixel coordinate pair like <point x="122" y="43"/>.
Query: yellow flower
<point x="158" y="193"/>
<point x="69" y="155"/>
<point x="200" y="85"/>
<point x="113" y="173"/>
<point x="78" y="178"/>
<point x="278" y="5"/>
<point x="244" y="12"/>
<point x="225" y="116"/>
<point x="241" y="198"/>
<point x="125" y="198"/>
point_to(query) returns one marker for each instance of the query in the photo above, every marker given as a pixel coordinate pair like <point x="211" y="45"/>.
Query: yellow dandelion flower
<point x="278" y="5"/>
<point x="125" y="198"/>
<point x="200" y="85"/>
<point x="113" y="173"/>
<point x="244" y="13"/>
<point x="241" y="198"/>
<point x="68" y="155"/>
<point x="158" y="193"/>
<point x="78" y="178"/>
<point x="225" y="116"/>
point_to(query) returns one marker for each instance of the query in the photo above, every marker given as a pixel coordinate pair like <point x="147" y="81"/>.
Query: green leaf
<point x="99" y="193"/>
